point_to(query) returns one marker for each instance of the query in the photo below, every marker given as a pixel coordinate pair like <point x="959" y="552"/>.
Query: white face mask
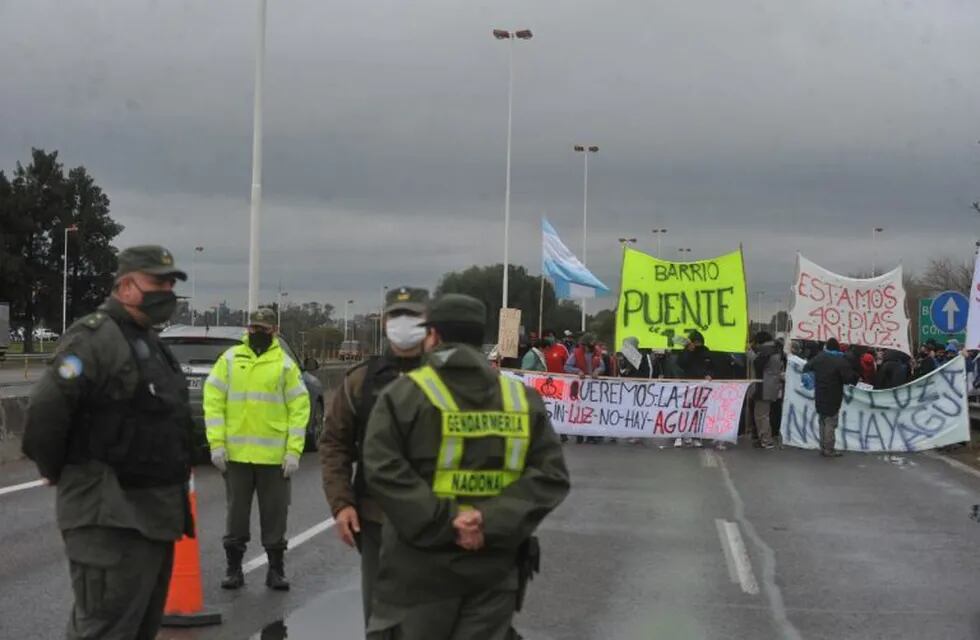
<point x="405" y="332"/>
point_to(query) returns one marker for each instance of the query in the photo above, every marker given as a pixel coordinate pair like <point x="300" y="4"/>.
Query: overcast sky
<point x="782" y="125"/>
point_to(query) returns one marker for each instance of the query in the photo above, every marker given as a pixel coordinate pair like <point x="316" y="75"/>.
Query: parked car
<point x="198" y="348"/>
<point x="41" y="333"/>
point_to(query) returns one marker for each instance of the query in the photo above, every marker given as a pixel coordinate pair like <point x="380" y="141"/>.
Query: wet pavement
<point x="674" y="544"/>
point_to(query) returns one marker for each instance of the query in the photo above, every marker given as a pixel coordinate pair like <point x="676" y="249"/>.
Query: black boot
<point x="276" y="576"/>
<point x="234" y="578"/>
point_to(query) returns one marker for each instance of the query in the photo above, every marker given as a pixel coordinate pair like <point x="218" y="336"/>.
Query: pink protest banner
<point x="627" y="408"/>
<point x="863" y="311"/>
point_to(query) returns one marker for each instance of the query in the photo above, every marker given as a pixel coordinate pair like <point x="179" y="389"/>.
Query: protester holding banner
<point x="555" y="353"/>
<point x="696" y="363"/>
<point x="585" y="360"/>
<point x="768" y="366"/>
<point x="893" y="372"/>
<point x="535" y="359"/>
<point x="831" y="372"/>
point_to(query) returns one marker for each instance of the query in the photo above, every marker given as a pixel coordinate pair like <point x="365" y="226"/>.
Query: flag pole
<point x="541" y="310"/>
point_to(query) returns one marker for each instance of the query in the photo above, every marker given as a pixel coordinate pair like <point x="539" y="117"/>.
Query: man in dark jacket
<point x="696" y="363"/>
<point x="831" y="372"/>
<point x="768" y="366"/>
<point x="893" y="372"/>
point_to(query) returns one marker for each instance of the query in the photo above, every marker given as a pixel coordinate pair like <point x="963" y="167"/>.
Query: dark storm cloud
<point x="784" y="126"/>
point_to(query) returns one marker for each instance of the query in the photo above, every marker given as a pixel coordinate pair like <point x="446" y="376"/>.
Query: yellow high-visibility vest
<point x="513" y="423"/>
<point x="256" y="407"/>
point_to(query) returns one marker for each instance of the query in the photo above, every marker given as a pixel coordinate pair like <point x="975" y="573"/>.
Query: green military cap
<point x="149" y="258"/>
<point x="456" y="307"/>
<point x="262" y="317"/>
<point x="406" y="299"/>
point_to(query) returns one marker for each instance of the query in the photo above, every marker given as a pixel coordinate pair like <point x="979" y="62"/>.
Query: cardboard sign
<point x="660" y="300"/>
<point x="509" y="334"/>
<point x="632" y="354"/>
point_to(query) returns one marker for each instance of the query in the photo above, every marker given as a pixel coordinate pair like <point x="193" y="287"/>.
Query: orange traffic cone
<point x="185" y="599"/>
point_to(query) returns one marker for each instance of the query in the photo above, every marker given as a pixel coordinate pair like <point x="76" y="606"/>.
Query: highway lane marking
<point x="299" y="539"/>
<point x="956" y="464"/>
<point x="776" y="605"/>
<point x="708" y="459"/>
<point x="737" y="556"/>
<point x="21" y="487"/>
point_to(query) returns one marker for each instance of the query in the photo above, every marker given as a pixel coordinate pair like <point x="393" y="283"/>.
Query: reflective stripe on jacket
<point x="513" y="423"/>
<point x="256" y="407"/>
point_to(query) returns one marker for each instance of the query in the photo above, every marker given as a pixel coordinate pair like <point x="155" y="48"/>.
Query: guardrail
<point x="24" y="357"/>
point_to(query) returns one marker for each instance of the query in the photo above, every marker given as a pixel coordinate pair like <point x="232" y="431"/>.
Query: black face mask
<point x="260" y="341"/>
<point x="158" y="306"/>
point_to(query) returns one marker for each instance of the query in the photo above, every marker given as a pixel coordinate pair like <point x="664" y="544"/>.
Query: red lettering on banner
<point x="580" y="414"/>
<point x="553" y="388"/>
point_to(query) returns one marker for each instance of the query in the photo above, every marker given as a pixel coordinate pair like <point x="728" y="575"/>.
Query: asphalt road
<point x="671" y="544"/>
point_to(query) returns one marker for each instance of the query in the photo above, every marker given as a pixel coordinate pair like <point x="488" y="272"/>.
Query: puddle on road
<point x="333" y="615"/>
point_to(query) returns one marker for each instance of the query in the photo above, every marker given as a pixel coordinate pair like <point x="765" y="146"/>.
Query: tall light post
<point x="64" y="284"/>
<point x="660" y="233"/>
<point x="874" y="256"/>
<point x="381" y="317"/>
<point x="256" y="200"/>
<point x="509" y="36"/>
<point x="758" y="306"/>
<point x="282" y="294"/>
<point x="197" y="250"/>
<point x="585" y="150"/>
<point x="346" y="311"/>
<point x="683" y="250"/>
<point x="626" y="241"/>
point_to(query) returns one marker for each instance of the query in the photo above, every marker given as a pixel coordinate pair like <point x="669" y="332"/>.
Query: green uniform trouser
<point x="482" y="616"/>
<point x="120" y="582"/>
<point x="369" y="544"/>
<point x="242" y="482"/>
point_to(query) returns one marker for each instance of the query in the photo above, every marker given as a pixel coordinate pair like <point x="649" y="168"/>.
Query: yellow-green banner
<point x="659" y="300"/>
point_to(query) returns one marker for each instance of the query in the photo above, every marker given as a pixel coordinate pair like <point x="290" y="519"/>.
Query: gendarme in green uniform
<point x="450" y="438"/>
<point x="110" y="426"/>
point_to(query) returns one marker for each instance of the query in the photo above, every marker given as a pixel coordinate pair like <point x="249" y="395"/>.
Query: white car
<point x="45" y="334"/>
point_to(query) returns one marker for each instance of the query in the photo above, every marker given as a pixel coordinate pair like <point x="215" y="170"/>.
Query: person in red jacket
<point x="555" y="353"/>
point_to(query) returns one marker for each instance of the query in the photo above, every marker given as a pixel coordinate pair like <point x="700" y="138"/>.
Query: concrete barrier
<point x="13" y="416"/>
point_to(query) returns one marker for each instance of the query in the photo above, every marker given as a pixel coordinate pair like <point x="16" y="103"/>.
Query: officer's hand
<point x="469" y="530"/>
<point x="470" y="541"/>
<point x="219" y="459"/>
<point x="347" y="525"/>
<point x="290" y="465"/>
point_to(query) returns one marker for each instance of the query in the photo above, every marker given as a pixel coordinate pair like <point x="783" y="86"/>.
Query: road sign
<point x="928" y="329"/>
<point x="949" y="311"/>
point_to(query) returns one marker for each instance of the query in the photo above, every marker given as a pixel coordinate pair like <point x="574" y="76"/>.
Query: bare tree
<point x="945" y="274"/>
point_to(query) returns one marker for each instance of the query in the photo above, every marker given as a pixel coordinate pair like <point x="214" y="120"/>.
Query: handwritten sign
<point x="508" y="336"/>
<point x="863" y="311"/>
<point x="661" y="299"/>
<point x="927" y="413"/>
<point x="625" y="408"/>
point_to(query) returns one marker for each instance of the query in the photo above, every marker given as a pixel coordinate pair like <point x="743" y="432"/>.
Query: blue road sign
<point x="949" y="311"/>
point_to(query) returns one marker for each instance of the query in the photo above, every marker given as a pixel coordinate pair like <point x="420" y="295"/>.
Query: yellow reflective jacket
<point x="256" y="407"/>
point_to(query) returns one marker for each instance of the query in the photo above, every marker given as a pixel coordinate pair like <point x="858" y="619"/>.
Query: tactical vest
<point x="380" y="372"/>
<point x="512" y="423"/>
<point x="145" y="438"/>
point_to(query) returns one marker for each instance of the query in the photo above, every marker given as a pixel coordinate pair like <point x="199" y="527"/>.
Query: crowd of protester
<point x="765" y="361"/>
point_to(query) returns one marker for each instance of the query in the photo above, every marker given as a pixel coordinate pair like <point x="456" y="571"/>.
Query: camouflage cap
<point x="456" y="307"/>
<point x="151" y="259"/>
<point x="406" y="299"/>
<point x="262" y="317"/>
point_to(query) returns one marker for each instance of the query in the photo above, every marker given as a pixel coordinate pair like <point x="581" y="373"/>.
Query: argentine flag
<point x="570" y="277"/>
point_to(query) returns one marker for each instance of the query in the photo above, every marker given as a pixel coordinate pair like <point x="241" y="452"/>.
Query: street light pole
<point x="503" y="34"/>
<point x="256" y="201"/>
<point x="346" y="309"/>
<point x="381" y="316"/>
<point x="282" y="294"/>
<point x="660" y="233"/>
<point x="64" y="285"/>
<point x="758" y="306"/>
<point x="874" y="256"/>
<point x="585" y="151"/>
<point x="197" y="250"/>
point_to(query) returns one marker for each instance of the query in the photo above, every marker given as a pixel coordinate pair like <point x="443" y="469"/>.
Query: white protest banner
<point x="627" y="408"/>
<point x="927" y="413"/>
<point x="864" y="311"/>
<point x="973" y="320"/>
